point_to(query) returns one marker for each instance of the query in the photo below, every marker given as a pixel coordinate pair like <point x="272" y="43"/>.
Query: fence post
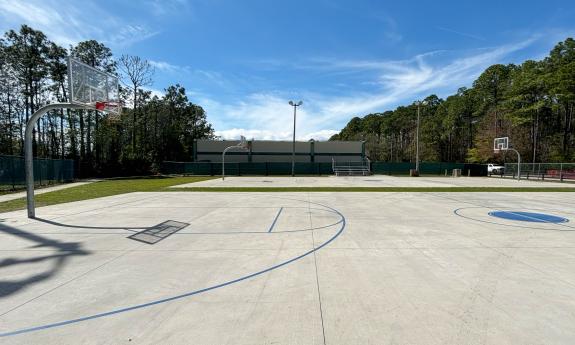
<point x="539" y="169"/>
<point x="12" y="173"/>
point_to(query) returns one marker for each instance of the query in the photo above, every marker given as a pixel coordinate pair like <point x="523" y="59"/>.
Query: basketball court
<point x="373" y="181"/>
<point x="291" y="268"/>
<point x="287" y="268"/>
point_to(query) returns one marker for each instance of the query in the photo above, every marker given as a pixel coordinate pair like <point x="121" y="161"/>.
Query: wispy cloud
<point x="461" y="33"/>
<point x="206" y="76"/>
<point x="268" y="116"/>
<point x="166" y="66"/>
<point x="70" y="24"/>
<point x="166" y="7"/>
<point x="391" y="32"/>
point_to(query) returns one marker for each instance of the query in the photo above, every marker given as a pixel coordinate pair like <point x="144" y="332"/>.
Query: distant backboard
<point x="500" y="144"/>
<point x="93" y="88"/>
<point x="243" y="143"/>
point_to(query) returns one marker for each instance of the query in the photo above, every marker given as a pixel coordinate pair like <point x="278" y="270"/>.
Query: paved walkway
<point x="18" y="195"/>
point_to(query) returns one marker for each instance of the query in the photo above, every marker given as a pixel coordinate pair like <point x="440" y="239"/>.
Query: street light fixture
<point x="419" y="103"/>
<point x="294" y="105"/>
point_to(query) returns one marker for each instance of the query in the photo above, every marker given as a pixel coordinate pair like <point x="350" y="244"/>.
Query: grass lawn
<point x="101" y="189"/>
<point x="155" y="184"/>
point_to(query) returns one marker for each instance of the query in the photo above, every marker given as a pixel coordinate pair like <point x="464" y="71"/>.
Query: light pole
<point x="294" y="105"/>
<point x="419" y="103"/>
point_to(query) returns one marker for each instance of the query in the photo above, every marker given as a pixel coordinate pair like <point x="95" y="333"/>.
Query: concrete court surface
<point x="371" y="181"/>
<point x="290" y="268"/>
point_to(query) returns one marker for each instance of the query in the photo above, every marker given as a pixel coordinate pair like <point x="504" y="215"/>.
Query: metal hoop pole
<point x="29" y="155"/>
<point x="518" y="163"/>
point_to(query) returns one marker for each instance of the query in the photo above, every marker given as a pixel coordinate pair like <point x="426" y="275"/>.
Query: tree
<point x="26" y="53"/>
<point x="138" y="73"/>
<point x="33" y="72"/>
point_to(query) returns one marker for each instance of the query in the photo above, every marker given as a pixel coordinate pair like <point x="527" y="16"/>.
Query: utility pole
<point x="419" y="103"/>
<point x="294" y="105"/>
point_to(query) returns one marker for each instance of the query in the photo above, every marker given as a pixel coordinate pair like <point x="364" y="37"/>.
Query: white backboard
<point x="500" y="144"/>
<point x="93" y="88"/>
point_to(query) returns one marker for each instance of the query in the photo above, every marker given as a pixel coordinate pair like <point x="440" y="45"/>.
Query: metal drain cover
<point x="158" y="232"/>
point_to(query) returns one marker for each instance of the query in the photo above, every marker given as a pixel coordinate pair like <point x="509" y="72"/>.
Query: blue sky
<point x="244" y="60"/>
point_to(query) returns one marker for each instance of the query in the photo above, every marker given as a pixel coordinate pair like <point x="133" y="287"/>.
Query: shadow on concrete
<point x="90" y="227"/>
<point x="62" y="252"/>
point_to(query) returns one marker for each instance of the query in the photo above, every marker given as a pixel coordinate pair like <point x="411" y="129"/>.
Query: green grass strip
<point x="101" y="189"/>
<point x="161" y="184"/>
<point x="373" y="189"/>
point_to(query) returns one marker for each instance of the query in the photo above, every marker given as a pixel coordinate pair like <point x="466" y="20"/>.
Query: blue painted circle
<point x="528" y="217"/>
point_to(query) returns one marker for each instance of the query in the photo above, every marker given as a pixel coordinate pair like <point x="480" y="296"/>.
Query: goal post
<point x="242" y="145"/>
<point x="502" y="144"/>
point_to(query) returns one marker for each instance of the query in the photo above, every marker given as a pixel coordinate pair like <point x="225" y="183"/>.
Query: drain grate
<point x="158" y="232"/>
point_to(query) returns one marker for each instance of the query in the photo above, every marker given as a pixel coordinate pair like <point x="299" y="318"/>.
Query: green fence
<point x="428" y="168"/>
<point x="310" y="168"/>
<point x="46" y="171"/>
<point x="541" y="171"/>
<point x="244" y="168"/>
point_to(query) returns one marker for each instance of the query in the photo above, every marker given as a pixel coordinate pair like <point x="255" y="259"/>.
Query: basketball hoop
<point x="108" y="107"/>
<point x="502" y="144"/>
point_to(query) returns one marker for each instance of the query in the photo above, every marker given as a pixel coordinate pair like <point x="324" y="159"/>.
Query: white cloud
<point x="66" y="23"/>
<point x="267" y="115"/>
<point x="166" y="7"/>
<point x="164" y="66"/>
<point x="258" y="134"/>
<point x="461" y="33"/>
<point x="391" y="33"/>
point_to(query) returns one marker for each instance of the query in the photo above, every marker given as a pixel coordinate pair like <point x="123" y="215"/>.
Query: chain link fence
<point x="46" y="171"/>
<point x="316" y="168"/>
<point x="541" y="171"/>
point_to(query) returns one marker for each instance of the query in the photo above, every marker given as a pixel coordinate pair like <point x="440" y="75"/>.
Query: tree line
<point x="150" y="129"/>
<point x="531" y="103"/>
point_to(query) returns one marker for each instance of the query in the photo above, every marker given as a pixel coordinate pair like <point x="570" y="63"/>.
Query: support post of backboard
<point x="29" y="155"/>
<point x="243" y="145"/>
<point x="518" y="162"/>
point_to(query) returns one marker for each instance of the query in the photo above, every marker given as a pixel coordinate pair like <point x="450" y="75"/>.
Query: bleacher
<point x="361" y="168"/>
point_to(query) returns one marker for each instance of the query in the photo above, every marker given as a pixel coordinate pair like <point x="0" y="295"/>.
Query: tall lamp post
<point x="294" y="105"/>
<point x="419" y="103"/>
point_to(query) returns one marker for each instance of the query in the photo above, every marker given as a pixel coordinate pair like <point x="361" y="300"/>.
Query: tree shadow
<point x="63" y="252"/>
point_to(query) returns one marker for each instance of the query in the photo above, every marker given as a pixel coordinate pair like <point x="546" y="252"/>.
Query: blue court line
<point x="196" y="292"/>
<point x="276" y="219"/>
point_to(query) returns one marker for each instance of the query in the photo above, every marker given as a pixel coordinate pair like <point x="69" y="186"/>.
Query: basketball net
<point x="111" y="108"/>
